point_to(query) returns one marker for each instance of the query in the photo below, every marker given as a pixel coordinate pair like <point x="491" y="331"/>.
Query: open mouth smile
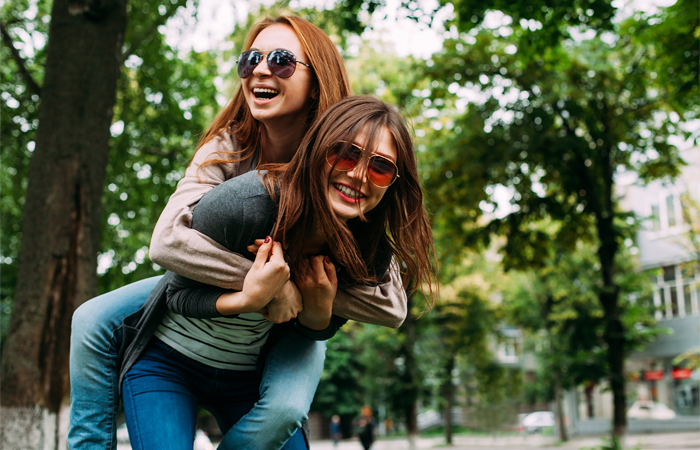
<point x="265" y="93"/>
<point x="347" y="193"/>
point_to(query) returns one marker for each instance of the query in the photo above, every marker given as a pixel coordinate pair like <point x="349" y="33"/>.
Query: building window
<point x="676" y="290"/>
<point x="665" y="212"/>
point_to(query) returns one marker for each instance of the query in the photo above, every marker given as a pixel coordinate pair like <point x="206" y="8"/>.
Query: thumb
<point x="263" y="253"/>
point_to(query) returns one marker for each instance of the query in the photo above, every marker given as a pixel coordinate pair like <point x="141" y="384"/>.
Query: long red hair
<point x="398" y="226"/>
<point x="331" y="79"/>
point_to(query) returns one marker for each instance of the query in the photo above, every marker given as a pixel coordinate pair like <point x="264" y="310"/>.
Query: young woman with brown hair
<point x="350" y="197"/>
<point x="291" y="72"/>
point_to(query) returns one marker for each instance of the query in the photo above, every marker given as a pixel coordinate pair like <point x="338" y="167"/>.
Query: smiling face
<point x="348" y="190"/>
<point x="275" y="101"/>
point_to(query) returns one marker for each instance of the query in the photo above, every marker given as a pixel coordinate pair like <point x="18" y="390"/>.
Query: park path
<point x="669" y="441"/>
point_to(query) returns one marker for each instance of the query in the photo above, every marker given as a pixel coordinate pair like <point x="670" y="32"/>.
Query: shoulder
<point x="246" y="189"/>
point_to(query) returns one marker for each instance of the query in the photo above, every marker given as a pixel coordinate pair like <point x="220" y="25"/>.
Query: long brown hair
<point x="397" y="226"/>
<point x="330" y="75"/>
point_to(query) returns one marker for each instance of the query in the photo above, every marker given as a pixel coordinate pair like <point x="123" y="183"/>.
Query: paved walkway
<point x="670" y="441"/>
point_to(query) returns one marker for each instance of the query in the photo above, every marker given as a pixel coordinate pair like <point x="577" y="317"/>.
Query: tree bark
<point x="560" y="412"/>
<point x="614" y="334"/>
<point x="410" y="377"/>
<point x="448" y="392"/>
<point x="57" y="263"/>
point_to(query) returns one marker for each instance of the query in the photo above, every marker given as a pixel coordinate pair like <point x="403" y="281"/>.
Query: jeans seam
<point x="136" y="421"/>
<point x="114" y="375"/>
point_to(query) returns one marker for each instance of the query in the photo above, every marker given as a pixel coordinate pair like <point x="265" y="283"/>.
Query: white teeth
<point x="347" y="191"/>
<point x="264" y="91"/>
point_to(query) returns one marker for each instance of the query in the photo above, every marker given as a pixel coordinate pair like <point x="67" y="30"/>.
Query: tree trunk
<point x="560" y="412"/>
<point x="614" y="334"/>
<point x="410" y="377"/>
<point x="448" y="393"/>
<point x="57" y="263"/>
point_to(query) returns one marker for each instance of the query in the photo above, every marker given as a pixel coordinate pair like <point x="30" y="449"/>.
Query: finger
<point x="320" y="270"/>
<point x="263" y="253"/>
<point x="276" y="253"/>
<point x="253" y="248"/>
<point x="330" y="270"/>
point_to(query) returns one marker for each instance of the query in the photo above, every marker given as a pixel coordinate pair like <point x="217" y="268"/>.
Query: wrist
<point x="237" y="303"/>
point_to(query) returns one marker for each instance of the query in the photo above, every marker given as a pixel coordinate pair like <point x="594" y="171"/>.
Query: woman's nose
<point x="356" y="173"/>
<point x="262" y="69"/>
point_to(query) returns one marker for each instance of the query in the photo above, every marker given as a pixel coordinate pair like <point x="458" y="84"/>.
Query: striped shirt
<point x="232" y="343"/>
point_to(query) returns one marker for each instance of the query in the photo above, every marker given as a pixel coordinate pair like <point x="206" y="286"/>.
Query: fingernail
<point x="267" y="240"/>
<point x="327" y="260"/>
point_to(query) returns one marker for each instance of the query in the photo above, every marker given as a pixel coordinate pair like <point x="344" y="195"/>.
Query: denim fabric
<point x="292" y="372"/>
<point x="95" y="340"/>
<point x="163" y="390"/>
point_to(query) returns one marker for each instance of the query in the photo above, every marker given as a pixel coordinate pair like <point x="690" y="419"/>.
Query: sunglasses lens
<point x="247" y="63"/>
<point x="344" y="162"/>
<point x="381" y="171"/>
<point x="282" y="63"/>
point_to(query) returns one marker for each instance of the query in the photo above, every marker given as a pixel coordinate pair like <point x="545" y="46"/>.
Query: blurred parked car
<point x="647" y="409"/>
<point x="535" y="422"/>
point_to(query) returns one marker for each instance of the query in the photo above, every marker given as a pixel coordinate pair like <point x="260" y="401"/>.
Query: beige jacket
<point x="176" y="247"/>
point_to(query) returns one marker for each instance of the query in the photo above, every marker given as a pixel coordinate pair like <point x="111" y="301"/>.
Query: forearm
<point x="179" y="248"/>
<point x="200" y="258"/>
<point x="384" y="304"/>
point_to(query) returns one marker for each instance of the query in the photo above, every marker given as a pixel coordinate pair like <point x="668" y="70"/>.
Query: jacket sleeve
<point x="320" y="335"/>
<point x="384" y="304"/>
<point x="193" y="299"/>
<point x="180" y="249"/>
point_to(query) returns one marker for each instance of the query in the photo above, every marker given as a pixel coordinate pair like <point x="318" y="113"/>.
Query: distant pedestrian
<point x="336" y="434"/>
<point x="365" y="429"/>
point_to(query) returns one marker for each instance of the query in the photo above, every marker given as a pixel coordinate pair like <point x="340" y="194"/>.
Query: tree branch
<point x="21" y="64"/>
<point x="172" y="8"/>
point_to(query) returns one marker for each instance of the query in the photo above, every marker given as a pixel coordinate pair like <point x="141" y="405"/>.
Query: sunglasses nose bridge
<point x="359" y="171"/>
<point x="262" y="68"/>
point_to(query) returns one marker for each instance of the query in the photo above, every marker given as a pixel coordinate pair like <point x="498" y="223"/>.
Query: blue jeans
<point x="95" y="341"/>
<point x="162" y="393"/>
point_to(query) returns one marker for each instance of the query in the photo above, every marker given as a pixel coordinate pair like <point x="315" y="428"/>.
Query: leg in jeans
<point x="163" y="390"/>
<point x="292" y="372"/>
<point x="95" y="342"/>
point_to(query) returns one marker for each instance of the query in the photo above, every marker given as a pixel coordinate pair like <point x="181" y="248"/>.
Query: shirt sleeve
<point x="233" y="214"/>
<point x="384" y="304"/>
<point x="320" y="335"/>
<point x="180" y="249"/>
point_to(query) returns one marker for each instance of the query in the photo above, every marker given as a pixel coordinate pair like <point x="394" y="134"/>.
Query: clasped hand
<point x="316" y="286"/>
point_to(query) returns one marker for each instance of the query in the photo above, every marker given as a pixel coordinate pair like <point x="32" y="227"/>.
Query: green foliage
<point x="165" y="101"/>
<point x="339" y="391"/>
<point x="672" y="39"/>
<point x="553" y="130"/>
<point x="18" y="122"/>
<point x="557" y="306"/>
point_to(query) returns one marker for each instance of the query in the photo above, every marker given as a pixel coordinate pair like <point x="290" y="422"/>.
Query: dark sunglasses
<point x="282" y="63"/>
<point x="381" y="171"/>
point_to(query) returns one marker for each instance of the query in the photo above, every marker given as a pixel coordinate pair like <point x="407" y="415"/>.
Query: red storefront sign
<point x="681" y="374"/>
<point x="654" y="375"/>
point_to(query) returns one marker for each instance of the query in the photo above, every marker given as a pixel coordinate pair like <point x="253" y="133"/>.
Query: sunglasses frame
<point x="373" y="155"/>
<point x="266" y="56"/>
